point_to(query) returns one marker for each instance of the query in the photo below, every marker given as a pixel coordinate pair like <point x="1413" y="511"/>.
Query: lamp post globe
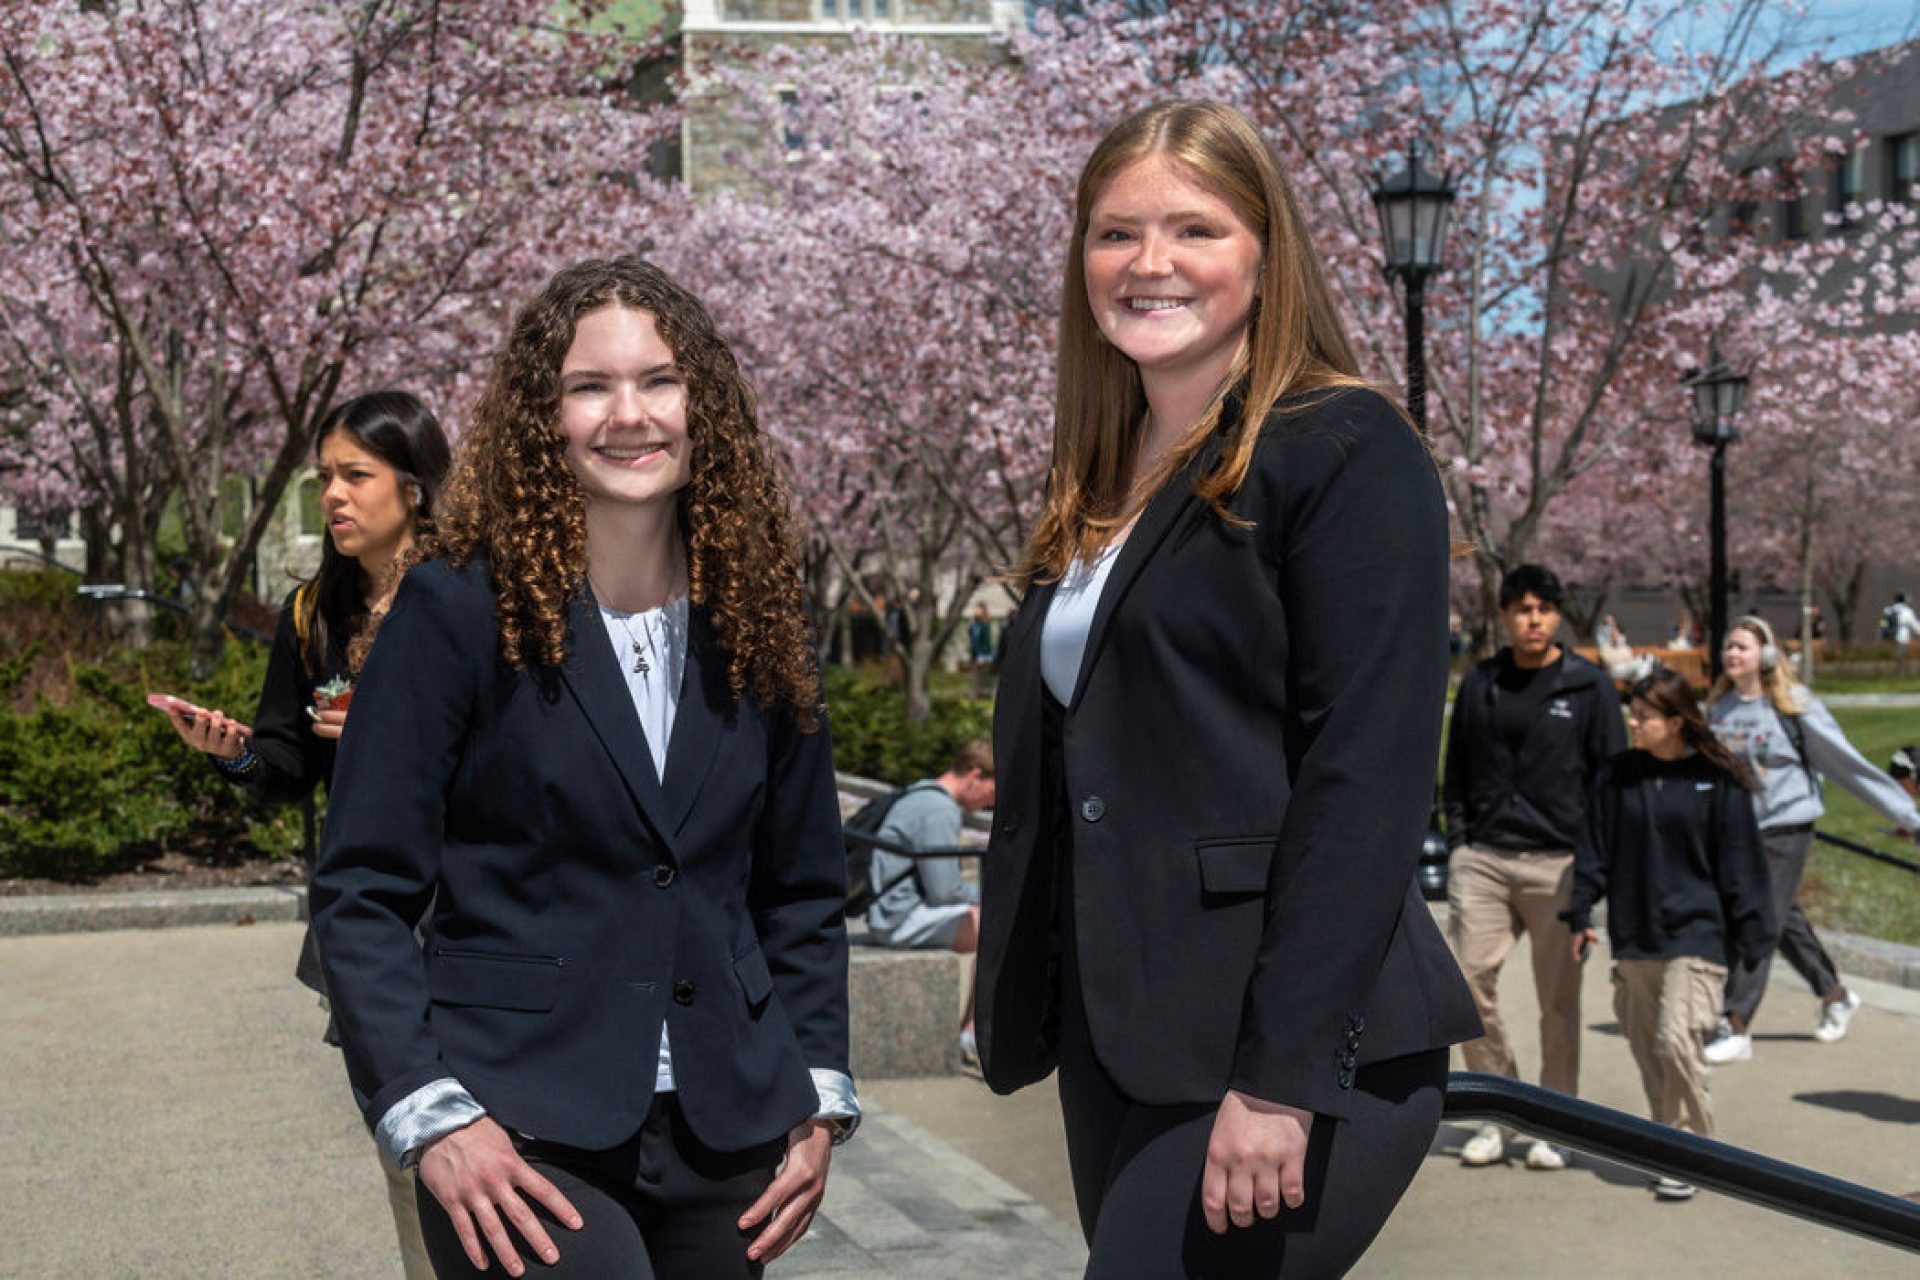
<point x="1415" y="209"/>
<point x="1719" y="393"/>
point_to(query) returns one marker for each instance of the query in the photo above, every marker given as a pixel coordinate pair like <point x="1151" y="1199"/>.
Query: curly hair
<point x="513" y="496"/>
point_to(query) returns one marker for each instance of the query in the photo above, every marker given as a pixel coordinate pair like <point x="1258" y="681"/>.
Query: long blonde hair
<point x="1779" y="686"/>
<point x="1296" y="341"/>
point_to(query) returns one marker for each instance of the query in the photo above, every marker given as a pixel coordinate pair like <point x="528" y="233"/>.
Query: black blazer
<point x="580" y="902"/>
<point x="1248" y="761"/>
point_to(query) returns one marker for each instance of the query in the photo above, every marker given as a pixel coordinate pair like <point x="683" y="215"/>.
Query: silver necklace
<point x="641" y="648"/>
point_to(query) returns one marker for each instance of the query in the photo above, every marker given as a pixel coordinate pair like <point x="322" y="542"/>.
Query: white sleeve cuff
<point x="433" y="1109"/>
<point x="837" y="1101"/>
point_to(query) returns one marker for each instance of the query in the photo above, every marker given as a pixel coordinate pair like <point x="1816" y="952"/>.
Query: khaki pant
<point x="1493" y="896"/>
<point x="406" y="1219"/>
<point x="1667" y="1009"/>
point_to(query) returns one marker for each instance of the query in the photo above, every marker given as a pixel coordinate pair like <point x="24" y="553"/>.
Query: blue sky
<point x="1853" y="26"/>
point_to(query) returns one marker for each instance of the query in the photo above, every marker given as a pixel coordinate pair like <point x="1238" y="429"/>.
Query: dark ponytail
<point x="1670" y="693"/>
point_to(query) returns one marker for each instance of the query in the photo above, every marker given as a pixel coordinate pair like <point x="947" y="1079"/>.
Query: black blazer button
<point x="683" y="992"/>
<point x="662" y="876"/>
<point x="1346" y="1078"/>
<point x="1093" y="808"/>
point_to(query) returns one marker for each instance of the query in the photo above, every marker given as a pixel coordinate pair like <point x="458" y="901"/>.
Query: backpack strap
<point x="913" y="864"/>
<point x="1797" y="735"/>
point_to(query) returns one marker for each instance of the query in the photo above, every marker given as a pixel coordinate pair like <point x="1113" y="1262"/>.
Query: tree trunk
<point x="1485" y="629"/>
<point x="919" y="687"/>
<point x="1844" y="597"/>
<point x="1807" y="659"/>
<point x="1584" y="619"/>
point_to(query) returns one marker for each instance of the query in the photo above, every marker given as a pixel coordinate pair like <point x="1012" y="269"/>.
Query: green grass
<point x="1844" y="890"/>
<point x="1846" y="682"/>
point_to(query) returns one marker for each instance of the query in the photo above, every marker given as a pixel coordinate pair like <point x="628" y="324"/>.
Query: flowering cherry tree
<point x="221" y="217"/>
<point x="889" y="267"/>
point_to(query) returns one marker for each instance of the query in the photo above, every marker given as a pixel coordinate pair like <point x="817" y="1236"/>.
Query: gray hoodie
<point x="1788" y="795"/>
<point x="925" y="818"/>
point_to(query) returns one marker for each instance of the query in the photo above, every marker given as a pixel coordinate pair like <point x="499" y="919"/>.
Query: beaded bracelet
<point x="242" y="768"/>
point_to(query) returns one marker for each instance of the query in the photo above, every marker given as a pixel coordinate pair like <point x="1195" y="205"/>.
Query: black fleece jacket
<point x="1673" y="847"/>
<point x="1535" y="798"/>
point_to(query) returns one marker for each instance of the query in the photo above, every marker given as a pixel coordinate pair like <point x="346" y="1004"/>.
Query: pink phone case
<point x="167" y="702"/>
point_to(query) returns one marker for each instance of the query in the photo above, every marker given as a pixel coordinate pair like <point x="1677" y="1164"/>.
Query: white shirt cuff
<point x="838" y="1101"/>
<point x="430" y="1111"/>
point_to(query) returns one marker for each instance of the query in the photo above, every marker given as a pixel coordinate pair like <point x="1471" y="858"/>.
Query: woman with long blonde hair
<point x="590" y="736"/>
<point x="1215" y="738"/>
<point x="1790" y="742"/>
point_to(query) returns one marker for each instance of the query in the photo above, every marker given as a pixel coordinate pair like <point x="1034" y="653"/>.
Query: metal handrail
<point x="101" y="591"/>
<point x="1657" y="1148"/>
<point x="1867" y="851"/>
<point x="12" y="549"/>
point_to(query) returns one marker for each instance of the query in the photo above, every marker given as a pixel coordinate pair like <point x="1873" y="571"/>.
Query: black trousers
<point x="1137" y="1167"/>
<point x="658" y="1205"/>
<point x="1137" y="1170"/>
<point x="1787" y="849"/>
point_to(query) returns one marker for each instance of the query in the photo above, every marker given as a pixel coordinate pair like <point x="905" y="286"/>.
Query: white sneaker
<point x="1544" y="1155"/>
<point x="1834" y="1017"/>
<point x="1484" y="1148"/>
<point x="1730" y="1047"/>
<point x="1672" y="1189"/>
<point x="969" y="1049"/>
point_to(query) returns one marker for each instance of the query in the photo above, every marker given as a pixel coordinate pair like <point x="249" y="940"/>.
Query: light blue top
<point x="1069" y="620"/>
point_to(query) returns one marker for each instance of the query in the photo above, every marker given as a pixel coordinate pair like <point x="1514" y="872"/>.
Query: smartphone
<point x="171" y="705"/>
<point x="187" y="710"/>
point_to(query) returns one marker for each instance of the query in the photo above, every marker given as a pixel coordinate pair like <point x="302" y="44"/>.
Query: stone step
<point x="901" y="1203"/>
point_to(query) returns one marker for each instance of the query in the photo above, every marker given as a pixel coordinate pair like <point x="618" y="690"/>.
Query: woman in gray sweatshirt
<point x="1790" y="741"/>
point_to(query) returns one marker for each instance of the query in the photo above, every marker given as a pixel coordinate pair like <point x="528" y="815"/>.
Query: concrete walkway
<point x="1850" y="1109"/>
<point x="168" y="1110"/>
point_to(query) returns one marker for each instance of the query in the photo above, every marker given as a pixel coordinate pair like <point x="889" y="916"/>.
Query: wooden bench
<point x="1691" y="663"/>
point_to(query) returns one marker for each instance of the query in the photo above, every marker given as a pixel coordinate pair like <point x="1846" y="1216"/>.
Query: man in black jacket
<point x="1531" y="727"/>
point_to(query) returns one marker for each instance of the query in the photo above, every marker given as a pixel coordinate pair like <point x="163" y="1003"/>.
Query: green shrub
<point x="93" y="781"/>
<point x="871" y="736"/>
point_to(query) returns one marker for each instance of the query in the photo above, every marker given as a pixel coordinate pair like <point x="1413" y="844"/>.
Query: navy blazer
<point x="578" y="902"/>
<point x="1248" y="762"/>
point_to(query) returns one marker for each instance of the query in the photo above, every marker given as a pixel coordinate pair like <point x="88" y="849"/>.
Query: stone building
<point x="713" y="31"/>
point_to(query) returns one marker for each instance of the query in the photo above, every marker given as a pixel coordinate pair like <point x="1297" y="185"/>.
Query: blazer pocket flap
<point x="496" y="982"/>
<point x="755" y="982"/>
<point x="1235" y="866"/>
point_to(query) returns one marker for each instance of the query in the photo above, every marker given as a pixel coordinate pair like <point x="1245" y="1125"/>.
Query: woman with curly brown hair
<point x="590" y="736"/>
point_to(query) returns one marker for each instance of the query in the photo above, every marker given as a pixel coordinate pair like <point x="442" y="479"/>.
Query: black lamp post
<point x="1718" y="393"/>
<point x="1414" y="208"/>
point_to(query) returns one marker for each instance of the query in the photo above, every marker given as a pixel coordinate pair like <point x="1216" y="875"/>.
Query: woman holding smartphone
<point x="381" y="459"/>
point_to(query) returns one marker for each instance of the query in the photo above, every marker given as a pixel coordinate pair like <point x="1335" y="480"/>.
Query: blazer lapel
<point x="1161" y="514"/>
<point x="706" y="706"/>
<point x="593" y="677"/>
